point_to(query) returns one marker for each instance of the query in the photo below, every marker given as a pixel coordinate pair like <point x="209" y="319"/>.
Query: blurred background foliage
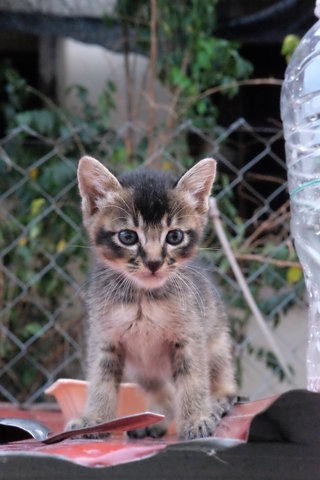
<point x="43" y="216"/>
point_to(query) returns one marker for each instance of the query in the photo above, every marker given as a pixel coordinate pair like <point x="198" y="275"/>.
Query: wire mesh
<point x="44" y="253"/>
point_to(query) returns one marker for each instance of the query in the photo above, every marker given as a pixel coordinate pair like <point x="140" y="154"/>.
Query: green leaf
<point x="282" y="253"/>
<point x="31" y="329"/>
<point x="111" y="86"/>
<point x="35" y="231"/>
<point x="36" y="206"/>
<point x="105" y="105"/>
<point x="201" y="107"/>
<point x="289" y="45"/>
<point x="82" y="93"/>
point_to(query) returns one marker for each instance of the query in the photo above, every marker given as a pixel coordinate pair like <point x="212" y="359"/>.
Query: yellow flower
<point x="33" y="174"/>
<point x="294" y="274"/>
<point x="60" y="245"/>
<point x="23" y="241"/>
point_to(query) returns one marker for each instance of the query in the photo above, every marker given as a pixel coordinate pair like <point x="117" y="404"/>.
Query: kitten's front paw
<point x="199" y="428"/>
<point x="86" y="421"/>
<point x="76" y="423"/>
<point x="154" y="431"/>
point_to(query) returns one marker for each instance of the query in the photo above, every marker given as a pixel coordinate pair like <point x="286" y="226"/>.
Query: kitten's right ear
<point x="95" y="182"/>
<point x="198" y="182"/>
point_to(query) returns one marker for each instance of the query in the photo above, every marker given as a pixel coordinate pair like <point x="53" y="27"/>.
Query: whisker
<point x="198" y="271"/>
<point x="179" y="292"/>
<point x="193" y="289"/>
<point x="197" y="268"/>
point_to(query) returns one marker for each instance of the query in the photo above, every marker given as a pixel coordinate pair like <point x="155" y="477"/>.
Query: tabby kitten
<point x="154" y="315"/>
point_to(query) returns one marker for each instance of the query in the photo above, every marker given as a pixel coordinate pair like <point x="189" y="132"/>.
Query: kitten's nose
<point x="153" y="265"/>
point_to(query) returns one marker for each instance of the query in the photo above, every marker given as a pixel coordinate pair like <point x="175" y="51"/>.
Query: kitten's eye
<point x="128" y="237"/>
<point x="174" y="237"/>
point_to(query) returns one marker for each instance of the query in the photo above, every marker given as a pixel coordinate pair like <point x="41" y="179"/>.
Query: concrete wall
<point x="92" y="66"/>
<point x="291" y="337"/>
<point x="77" y="8"/>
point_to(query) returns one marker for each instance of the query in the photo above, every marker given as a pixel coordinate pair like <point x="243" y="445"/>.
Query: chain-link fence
<point x="44" y="253"/>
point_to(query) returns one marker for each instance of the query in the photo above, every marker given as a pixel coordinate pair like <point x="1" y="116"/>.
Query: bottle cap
<point x="317" y="9"/>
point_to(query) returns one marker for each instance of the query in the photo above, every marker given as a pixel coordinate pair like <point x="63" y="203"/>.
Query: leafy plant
<point x="188" y="57"/>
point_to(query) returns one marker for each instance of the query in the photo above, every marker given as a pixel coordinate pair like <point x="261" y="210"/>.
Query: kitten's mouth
<point x="149" y="280"/>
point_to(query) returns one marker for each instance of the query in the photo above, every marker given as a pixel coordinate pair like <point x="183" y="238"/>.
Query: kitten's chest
<point x="144" y="330"/>
<point x="145" y="319"/>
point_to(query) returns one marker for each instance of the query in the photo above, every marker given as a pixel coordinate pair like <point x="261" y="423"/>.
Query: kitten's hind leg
<point x="160" y="400"/>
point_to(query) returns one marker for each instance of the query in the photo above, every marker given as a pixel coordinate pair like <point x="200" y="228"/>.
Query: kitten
<point x="154" y="315"/>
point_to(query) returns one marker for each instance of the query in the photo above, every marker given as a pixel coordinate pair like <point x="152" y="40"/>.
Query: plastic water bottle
<point x="300" y="112"/>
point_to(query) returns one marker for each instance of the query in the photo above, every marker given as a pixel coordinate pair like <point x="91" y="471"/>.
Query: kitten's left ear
<point x="198" y="182"/>
<point x="95" y="182"/>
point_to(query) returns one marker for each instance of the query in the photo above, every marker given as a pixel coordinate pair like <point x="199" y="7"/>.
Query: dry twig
<point x="215" y="215"/>
<point x="274" y="220"/>
<point x="253" y="257"/>
<point x="153" y="70"/>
